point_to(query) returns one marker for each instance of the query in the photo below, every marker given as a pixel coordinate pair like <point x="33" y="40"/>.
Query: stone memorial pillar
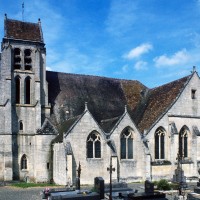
<point x="69" y="170"/>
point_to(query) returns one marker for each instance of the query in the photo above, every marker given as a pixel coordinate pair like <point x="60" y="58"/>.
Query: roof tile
<point x="23" y="30"/>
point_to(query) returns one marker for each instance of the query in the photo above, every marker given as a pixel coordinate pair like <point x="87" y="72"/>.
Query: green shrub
<point x="163" y="185"/>
<point x="155" y="183"/>
<point x="27" y="185"/>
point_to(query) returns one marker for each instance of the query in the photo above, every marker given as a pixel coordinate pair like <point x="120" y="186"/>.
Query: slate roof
<point x="107" y="98"/>
<point x="108" y="124"/>
<point x="15" y="29"/>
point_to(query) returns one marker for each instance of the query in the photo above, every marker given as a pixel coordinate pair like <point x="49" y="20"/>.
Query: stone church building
<point x="50" y="121"/>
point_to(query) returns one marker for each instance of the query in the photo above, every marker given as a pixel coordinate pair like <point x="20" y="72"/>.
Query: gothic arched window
<point x="126" y="141"/>
<point x="24" y="162"/>
<point x="17" y="90"/>
<point x="94" y="145"/>
<point x="27" y="87"/>
<point x="160" y="143"/>
<point x="183" y="142"/>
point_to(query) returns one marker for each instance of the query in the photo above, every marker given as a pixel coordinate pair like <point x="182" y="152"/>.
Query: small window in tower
<point x="48" y="166"/>
<point x="27" y="59"/>
<point x="17" y="52"/>
<point x="193" y="94"/>
<point x="20" y="126"/>
<point x="17" y="58"/>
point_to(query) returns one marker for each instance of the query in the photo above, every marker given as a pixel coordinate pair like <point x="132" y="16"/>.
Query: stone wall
<point x="59" y="164"/>
<point x="125" y="170"/>
<point x="184" y="112"/>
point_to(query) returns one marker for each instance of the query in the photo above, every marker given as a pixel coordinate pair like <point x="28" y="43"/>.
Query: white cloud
<point x="49" y="68"/>
<point x="179" y="58"/>
<point x="138" y="51"/>
<point x="140" y="65"/>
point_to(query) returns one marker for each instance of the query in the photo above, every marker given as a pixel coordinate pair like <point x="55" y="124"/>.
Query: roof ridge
<point x="166" y="84"/>
<point x="87" y="75"/>
<point x="15" y="20"/>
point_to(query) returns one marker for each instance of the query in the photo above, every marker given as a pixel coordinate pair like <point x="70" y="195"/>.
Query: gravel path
<point x="11" y="193"/>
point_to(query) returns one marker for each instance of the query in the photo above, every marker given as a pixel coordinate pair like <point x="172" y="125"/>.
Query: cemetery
<point x="120" y="190"/>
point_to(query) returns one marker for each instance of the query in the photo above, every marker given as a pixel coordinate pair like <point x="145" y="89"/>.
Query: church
<point x="51" y="122"/>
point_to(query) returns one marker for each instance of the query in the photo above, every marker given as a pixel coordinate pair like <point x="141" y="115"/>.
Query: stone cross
<point x="110" y="169"/>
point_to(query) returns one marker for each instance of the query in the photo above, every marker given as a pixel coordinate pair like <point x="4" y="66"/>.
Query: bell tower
<point x="23" y="88"/>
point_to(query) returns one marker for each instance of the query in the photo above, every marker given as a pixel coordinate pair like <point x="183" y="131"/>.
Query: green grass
<point x="27" y="185"/>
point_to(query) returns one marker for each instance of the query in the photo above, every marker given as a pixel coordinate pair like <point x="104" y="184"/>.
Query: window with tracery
<point x="94" y="145"/>
<point x="24" y="162"/>
<point x="27" y="87"/>
<point x="127" y="144"/>
<point x="17" y="90"/>
<point x="160" y="143"/>
<point x="183" y="143"/>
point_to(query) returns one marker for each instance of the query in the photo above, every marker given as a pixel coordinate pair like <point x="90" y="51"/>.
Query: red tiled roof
<point x="22" y="30"/>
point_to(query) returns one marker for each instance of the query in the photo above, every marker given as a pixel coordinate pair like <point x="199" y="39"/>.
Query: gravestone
<point x="83" y="195"/>
<point x="149" y="187"/>
<point x="197" y="188"/>
<point x="148" y="196"/>
<point x="99" y="186"/>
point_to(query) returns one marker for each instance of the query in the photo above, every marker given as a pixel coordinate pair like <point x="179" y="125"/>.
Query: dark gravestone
<point x="197" y="188"/>
<point x="74" y="196"/>
<point x="198" y="183"/>
<point x="149" y="187"/>
<point x="148" y="196"/>
<point x="99" y="186"/>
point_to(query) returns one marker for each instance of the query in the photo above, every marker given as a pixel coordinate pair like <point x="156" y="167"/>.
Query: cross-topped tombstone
<point x="110" y="169"/>
<point x="179" y="173"/>
<point x="78" y="185"/>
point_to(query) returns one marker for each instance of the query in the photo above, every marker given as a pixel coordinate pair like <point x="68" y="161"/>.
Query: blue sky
<point x="152" y="41"/>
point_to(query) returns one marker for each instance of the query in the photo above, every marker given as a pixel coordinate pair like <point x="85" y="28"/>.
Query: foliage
<point x="93" y="189"/>
<point x="27" y="185"/>
<point x="163" y="185"/>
